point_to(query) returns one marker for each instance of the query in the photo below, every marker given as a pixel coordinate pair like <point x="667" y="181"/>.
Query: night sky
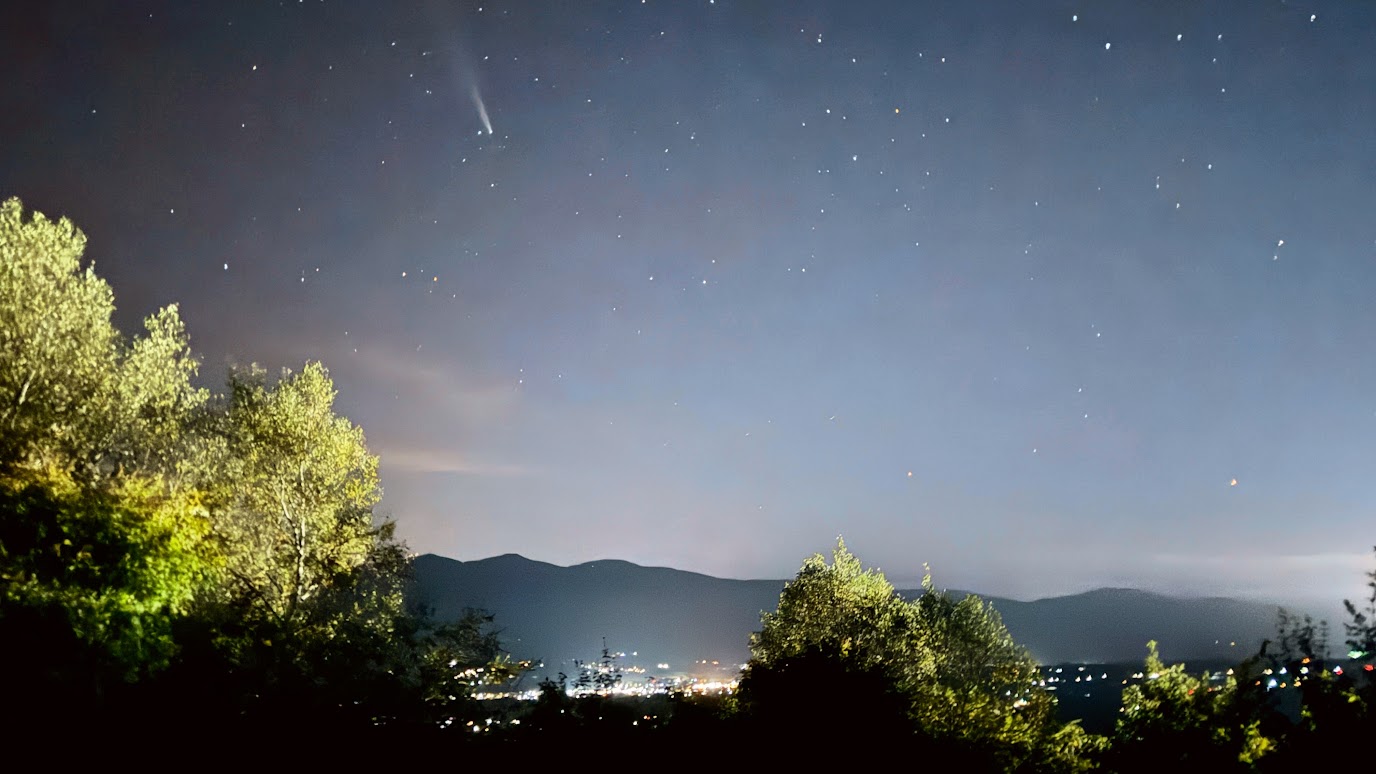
<point x="1048" y="295"/>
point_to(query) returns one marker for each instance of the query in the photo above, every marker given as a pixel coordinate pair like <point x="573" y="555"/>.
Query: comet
<point x="482" y="109"/>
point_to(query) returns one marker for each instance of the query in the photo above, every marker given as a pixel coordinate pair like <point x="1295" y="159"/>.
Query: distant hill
<point x="561" y="613"/>
<point x="557" y="614"/>
<point x="1108" y="626"/>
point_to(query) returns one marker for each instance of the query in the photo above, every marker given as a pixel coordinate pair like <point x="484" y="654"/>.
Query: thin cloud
<point x="445" y="461"/>
<point x="1263" y="563"/>
<point x="1319" y="575"/>
<point x="455" y="393"/>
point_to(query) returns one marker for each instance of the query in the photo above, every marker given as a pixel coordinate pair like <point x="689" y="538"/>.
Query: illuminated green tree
<point x="983" y="685"/>
<point x="295" y="516"/>
<point x="937" y="672"/>
<point x="101" y="540"/>
<point x="174" y="551"/>
<point x="74" y="394"/>
<point x="845" y="609"/>
<point x="1173" y="718"/>
<point x="94" y="578"/>
<point x="58" y="349"/>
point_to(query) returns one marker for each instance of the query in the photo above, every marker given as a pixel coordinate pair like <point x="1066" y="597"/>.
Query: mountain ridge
<point x="662" y="615"/>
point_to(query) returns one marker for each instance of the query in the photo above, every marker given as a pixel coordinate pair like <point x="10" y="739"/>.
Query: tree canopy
<point x="296" y="514"/>
<point x="844" y="609"/>
<point x="75" y="394"/>
<point x="1175" y="718"/>
<point x="958" y="679"/>
<point x="101" y="542"/>
<point x="155" y="534"/>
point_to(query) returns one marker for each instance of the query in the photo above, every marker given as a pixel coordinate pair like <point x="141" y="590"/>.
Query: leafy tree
<point x="818" y="693"/>
<point x="102" y="542"/>
<point x="308" y="609"/>
<point x="844" y="609"/>
<point x="551" y="712"/>
<point x="1282" y="709"/>
<point x="600" y="677"/>
<point x="1361" y="629"/>
<point x="74" y="394"/>
<point x="58" y="349"/>
<point x="1308" y="704"/>
<point x="166" y="552"/>
<point x="94" y="579"/>
<point x="1358" y="688"/>
<point x="1173" y="718"/>
<point x="935" y="672"/>
<point x="455" y="658"/>
<point x="294" y="513"/>
<point x="983" y="689"/>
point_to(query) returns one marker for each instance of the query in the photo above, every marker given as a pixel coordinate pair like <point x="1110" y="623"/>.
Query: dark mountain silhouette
<point x="1108" y="626"/>
<point x="557" y="614"/>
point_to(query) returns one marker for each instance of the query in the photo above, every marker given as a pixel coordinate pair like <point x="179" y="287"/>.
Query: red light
<point x="1368" y="667"/>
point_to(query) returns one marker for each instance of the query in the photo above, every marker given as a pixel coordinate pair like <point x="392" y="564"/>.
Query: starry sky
<point x="1047" y="295"/>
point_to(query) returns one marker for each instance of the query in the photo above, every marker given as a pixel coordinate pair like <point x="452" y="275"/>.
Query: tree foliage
<point x="1173" y="718"/>
<point x="94" y="578"/>
<point x="1282" y="709"/>
<point x="295" y="517"/>
<point x="841" y="608"/>
<point x="60" y="352"/>
<point x="101" y="544"/>
<point x="74" y="394"/>
<point x="936" y="672"/>
<point x="599" y="677"/>
<point x="1361" y="626"/>
<point x="219" y="551"/>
